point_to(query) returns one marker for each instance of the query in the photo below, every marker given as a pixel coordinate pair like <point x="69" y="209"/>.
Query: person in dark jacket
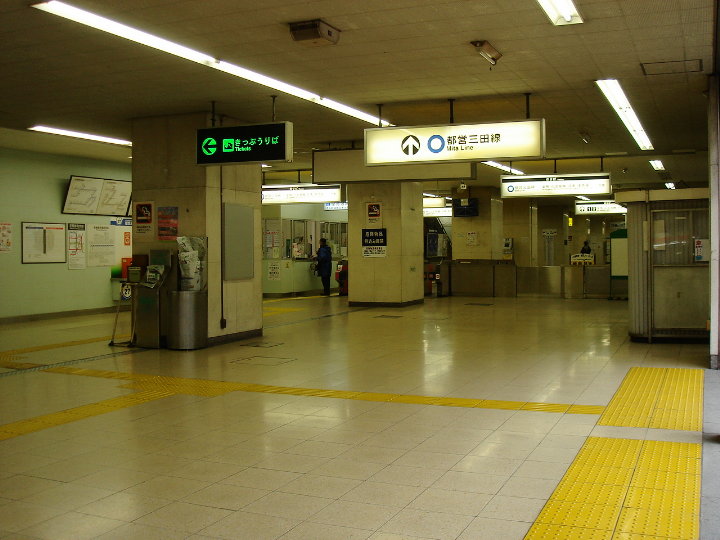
<point x="586" y="247"/>
<point x="324" y="265"/>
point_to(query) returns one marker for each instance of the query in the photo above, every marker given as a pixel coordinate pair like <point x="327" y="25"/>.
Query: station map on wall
<point x="97" y="196"/>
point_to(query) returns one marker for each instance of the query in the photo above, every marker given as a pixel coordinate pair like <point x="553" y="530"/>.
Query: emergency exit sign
<point x="256" y="143"/>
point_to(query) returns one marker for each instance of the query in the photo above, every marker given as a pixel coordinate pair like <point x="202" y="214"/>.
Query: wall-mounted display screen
<point x="465" y="207"/>
<point x="97" y="196"/>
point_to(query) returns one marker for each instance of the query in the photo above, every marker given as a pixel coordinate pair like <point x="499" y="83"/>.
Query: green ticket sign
<point x="245" y="144"/>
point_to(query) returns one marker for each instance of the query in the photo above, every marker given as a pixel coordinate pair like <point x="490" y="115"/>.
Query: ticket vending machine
<point x="149" y="306"/>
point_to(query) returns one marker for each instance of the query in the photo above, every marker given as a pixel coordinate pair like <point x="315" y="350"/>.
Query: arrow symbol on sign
<point x="410" y="145"/>
<point x="209" y="146"/>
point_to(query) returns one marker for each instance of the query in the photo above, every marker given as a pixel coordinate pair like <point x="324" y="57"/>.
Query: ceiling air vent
<point x="673" y="67"/>
<point x="314" y="33"/>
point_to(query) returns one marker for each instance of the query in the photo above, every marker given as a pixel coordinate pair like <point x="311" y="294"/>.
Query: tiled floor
<point x="331" y="426"/>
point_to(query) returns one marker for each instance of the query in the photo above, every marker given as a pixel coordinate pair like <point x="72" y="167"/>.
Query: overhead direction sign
<point x="455" y="142"/>
<point x="599" y="207"/>
<point x="554" y="185"/>
<point x="245" y="144"/>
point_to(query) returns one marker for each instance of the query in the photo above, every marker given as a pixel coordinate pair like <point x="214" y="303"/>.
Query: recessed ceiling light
<point x="657" y="164"/>
<point x="561" y="12"/>
<point x="670" y="185"/>
<point x="92" y="20"/>
<point x="502" y="167"/>
<point x="615" y="95"/>
<point x="80" y="135"/>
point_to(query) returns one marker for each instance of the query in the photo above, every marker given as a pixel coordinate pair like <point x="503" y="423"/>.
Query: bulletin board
<point x="43" y="243"/>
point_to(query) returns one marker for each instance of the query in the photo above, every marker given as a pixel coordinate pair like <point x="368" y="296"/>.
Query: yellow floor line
<point x="665" y="398"/>
<point x="625" y="489"/>
<point x="51" y="346"/>
<point x="151" y="387"/>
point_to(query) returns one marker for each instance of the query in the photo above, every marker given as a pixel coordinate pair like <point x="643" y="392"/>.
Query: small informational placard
<point x="273" y="271"/>
<point x="101" y="245"/>
<point x="599" y="207"/>
<point x="77" y="254"/>
<point x="144" y="221"/>
<point x="582" y="258"/>
<point x="702" y="250"/>
<point x="554" y="185"/>
<point x="43" y="243"/>
<point x="167" y="222"/>
<point x="374" y="242"/>
<point x="5" y="237"/>
<point x="471" y="238"/>
<point x="374" y="213"/>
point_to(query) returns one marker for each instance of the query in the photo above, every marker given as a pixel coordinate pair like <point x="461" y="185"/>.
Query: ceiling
<point x="411" y="56"/>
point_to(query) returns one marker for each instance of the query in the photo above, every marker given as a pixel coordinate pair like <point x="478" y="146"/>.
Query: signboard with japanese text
<point x="553" y="185"/>
<point x="455" y="142"/>
<point x="599" y="207"/>
<point x="374" y="242"/>
<point x="245" y="144"/>
<point x="43" y="243"/>
<point x="76" y="242"/>
<point x="300" y="194"/>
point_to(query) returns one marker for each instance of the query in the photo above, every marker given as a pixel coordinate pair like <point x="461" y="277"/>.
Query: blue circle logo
<point x="438" y="147"/>
<point x="511" y="188"/>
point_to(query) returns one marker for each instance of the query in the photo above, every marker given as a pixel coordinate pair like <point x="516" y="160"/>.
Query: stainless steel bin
<point x="187" y="315"/>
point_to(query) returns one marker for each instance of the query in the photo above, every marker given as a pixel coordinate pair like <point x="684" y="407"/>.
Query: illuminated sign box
<point x="309" y="193"/>
<point x="599" y="207"/>
<point x="335" y="206"/>
<point x="554" y="185"/>
<point x="245" y="144"/>
<point x="455" y="142"/>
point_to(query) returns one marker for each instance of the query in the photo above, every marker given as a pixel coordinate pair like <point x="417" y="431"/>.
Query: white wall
<point x="32" y="188"/>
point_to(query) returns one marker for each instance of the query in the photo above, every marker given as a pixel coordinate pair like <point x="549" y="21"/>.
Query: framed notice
<point x="97" y="196"/>
<point x="43" y="243"/>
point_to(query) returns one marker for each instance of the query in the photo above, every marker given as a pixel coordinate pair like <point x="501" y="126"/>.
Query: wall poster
<point x="5" y="237"/>
<point x="101" y="245"/>
<point x="144" y="221"/>
<point x="43" y="243"/>
<point x="77" y="254"/>
<point x="167" y="217"/>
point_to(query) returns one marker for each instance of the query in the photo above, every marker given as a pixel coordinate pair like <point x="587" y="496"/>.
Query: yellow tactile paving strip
<point x="625" y="489"/>
<point x="152" y="387"/>
<point x="51" y="346"/>
<point x="665" y="398"/>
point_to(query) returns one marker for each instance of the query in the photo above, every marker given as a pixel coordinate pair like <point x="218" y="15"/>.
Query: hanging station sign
<point x="599" y="207"/>
<point x="455" y="142"/>
<point x="303" y="193"/>
<point x="245" y="144"/>
<point x="554" y="185"/>
<point x="446" y="211"/>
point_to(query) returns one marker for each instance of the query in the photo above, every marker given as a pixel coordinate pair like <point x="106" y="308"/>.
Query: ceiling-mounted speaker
<point x="315" y="32"/>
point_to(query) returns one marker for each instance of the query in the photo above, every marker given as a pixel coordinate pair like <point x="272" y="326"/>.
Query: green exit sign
<point x="245" y="144"/>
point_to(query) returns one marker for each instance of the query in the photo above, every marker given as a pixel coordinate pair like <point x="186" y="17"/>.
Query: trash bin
<point x="187" y="314"/>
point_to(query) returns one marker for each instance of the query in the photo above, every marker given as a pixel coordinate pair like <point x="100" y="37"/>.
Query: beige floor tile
<point x="495" y="529"/>
<point x="73" y="526"/>
<point x="288" y="505"/>
<point x="167" y="487"/>
<point x="427" y="524"/>
<point x="431" y="460"/>
<point x="383" y="494"/>
<point x="17" y="515"/>
<point x="123" y="506"/>
<point x="114" y="479"/>
<point x="533" y="488"/>
<point x="512" y="508"/>
<point x="22" y="486"/>
<point x="500" y="450"/>
<point x="249" y="526"/>
<point x="542" y="469"/>
<point x="355" y="515"/>
<point x="319" y="449"/>
<point x="373" y="454"/>
<point x="225" y="496"/>
<point x="329" y="487"/>
<point x="451" y="502"/>
<point x="342" y="436"/>
<point x="206" y="471"/>
<point x="261" y="478"/>
<point x="470" y="482"/>
<point x="67" y="496"/>
<point x="291" y="463"/>
<point x="135" y="531"/>
<point x="407" y="476"/>
<point x="488" y="465"/>
<point x="347" y="468"/>
<point x="321" y="531"/>
<point x="185" y="517"/>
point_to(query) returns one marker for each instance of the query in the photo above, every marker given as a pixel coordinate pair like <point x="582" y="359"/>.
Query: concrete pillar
<point x="480" y="237"/>
<point x="714" y="182"/>
<point x="520" y="224"/>
<point x="395" y="279"/>
<point x="165" y="172"/>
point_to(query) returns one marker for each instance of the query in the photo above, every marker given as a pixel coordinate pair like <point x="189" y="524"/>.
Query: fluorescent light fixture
<point x="80" y="135"/>
<point x="561" y="12"/>
<point x="501" y="167"/>
<point x="92" y="20"/>
<point x="657" y="165"/>
<point x="582" y="197"/>
<point x="670" y="185"/>
<point x="615" y="95"/>
<point x="433" y="202"/>
<point x="430" y="195"/>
